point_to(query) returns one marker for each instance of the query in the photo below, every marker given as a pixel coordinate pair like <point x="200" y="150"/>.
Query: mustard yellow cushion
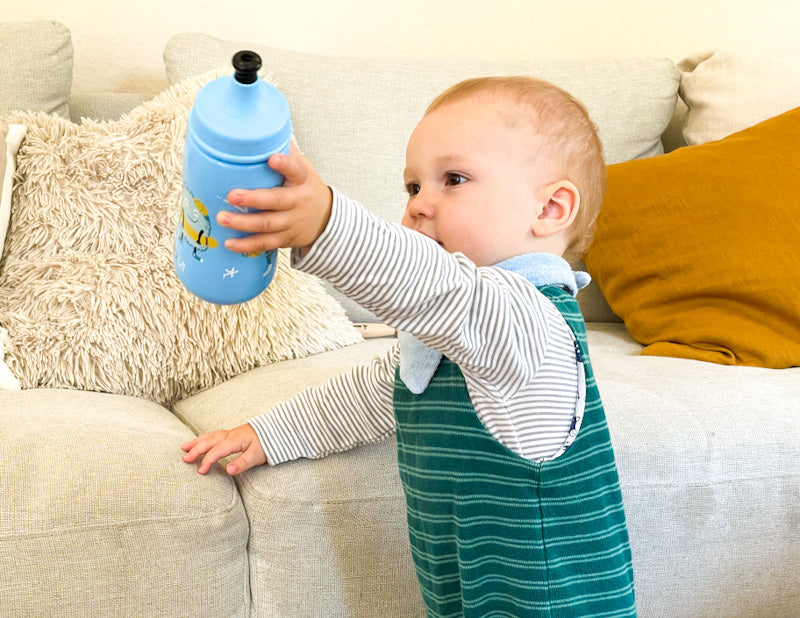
<point x="698" y="250"/>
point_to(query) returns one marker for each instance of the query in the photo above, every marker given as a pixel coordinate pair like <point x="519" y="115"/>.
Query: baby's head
<point x="536" y="143"/>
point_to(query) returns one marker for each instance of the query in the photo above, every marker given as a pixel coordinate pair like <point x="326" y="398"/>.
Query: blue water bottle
<point x="236" y="123"/>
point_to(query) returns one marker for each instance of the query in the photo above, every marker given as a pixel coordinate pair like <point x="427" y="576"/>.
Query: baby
<point x="513" y="500"/>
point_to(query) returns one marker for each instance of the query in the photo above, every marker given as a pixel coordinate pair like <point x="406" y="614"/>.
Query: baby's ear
<point x="559" y="208"/>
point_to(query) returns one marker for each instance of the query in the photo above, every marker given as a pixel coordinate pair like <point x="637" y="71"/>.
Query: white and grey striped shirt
<point x="514" y="348"/>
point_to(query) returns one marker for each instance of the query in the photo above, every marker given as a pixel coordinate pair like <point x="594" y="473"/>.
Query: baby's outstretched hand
<point x="292" y="215"/>
<point x="215" y="445"/>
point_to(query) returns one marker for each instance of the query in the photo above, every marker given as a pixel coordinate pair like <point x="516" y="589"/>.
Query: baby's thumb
<point x="248" y="459"/>
<point x="293" y="167"/>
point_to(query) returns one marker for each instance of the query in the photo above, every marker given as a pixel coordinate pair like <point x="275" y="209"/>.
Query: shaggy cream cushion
<point x="87" y="288"/>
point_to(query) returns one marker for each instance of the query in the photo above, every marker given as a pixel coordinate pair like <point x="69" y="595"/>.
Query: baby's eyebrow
<point x="448" y="159"/>
<point x="454" y="160"/>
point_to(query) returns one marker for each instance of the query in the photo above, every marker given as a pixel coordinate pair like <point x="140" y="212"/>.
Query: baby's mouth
<point x="438" y="242"/>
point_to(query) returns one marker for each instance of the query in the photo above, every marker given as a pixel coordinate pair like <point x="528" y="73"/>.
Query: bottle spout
<point x="246" y="64"/>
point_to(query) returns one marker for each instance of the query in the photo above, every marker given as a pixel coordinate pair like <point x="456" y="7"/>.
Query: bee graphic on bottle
<point x="195" y="226"/>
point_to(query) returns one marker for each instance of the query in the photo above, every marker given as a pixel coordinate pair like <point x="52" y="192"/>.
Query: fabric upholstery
<point x="104" y="105"/>
<point x="334" y="526"/>
<point x="337" y="524"/>
<point x="100" y="517"/>
<point x="728" y="92"/>
<point x="698" y="251"/>
<point x="37" y="67"/>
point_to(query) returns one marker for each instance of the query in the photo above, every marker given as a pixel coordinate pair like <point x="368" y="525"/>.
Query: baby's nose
<point x="423" y="205"/>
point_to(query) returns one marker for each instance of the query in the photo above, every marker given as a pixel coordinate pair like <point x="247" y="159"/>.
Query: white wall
<point x="118" y="45"/>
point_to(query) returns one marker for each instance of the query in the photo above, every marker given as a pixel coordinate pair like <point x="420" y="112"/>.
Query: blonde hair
<point x="570" y="140"/>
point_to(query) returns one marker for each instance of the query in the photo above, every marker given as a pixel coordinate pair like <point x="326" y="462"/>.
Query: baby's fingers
<point x="267" y="222"/>
<point x="187" y="446"/>
<point x="294" y="167"/>
<point x="202" y="444"/>
<point x="217" y="452"/>
<point x="295" y="170"/>
<point x="195" y="445"/>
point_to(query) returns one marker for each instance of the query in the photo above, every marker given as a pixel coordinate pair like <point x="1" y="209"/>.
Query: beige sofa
<point x="100" y="517"/>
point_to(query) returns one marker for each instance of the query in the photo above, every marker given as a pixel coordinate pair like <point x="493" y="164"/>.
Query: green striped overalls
<point x="495" y="534"/>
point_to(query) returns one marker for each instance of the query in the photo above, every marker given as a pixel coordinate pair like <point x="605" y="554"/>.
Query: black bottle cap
<point x="247" y="64"/>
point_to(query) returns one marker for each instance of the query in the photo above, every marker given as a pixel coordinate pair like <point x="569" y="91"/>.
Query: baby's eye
<point x="412" y="188"/>
<point x="452" y="179"/>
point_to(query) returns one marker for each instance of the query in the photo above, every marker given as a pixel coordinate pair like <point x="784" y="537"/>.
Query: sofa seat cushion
<point x="93" y="486"/>
<point x="334" y="528"/>
<point x="709" y="463"/>
<point x="703" y="453"/>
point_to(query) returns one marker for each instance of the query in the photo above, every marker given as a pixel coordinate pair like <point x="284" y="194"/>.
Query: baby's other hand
<point x="215" y="445"/>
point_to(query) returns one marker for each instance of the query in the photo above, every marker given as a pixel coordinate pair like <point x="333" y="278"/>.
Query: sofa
<point x="107" y="371"/>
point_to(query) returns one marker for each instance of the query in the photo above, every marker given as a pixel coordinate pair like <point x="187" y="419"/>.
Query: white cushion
<point x="10" y="139"/>
<point x="728" y="92"/>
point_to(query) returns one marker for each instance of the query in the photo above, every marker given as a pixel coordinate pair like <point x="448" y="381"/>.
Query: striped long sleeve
<point x="512" y="345"/>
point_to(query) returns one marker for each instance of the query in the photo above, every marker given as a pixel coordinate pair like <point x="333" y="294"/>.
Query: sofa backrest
<point x="37" y="67"/>
<point x="353" y="116"/>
